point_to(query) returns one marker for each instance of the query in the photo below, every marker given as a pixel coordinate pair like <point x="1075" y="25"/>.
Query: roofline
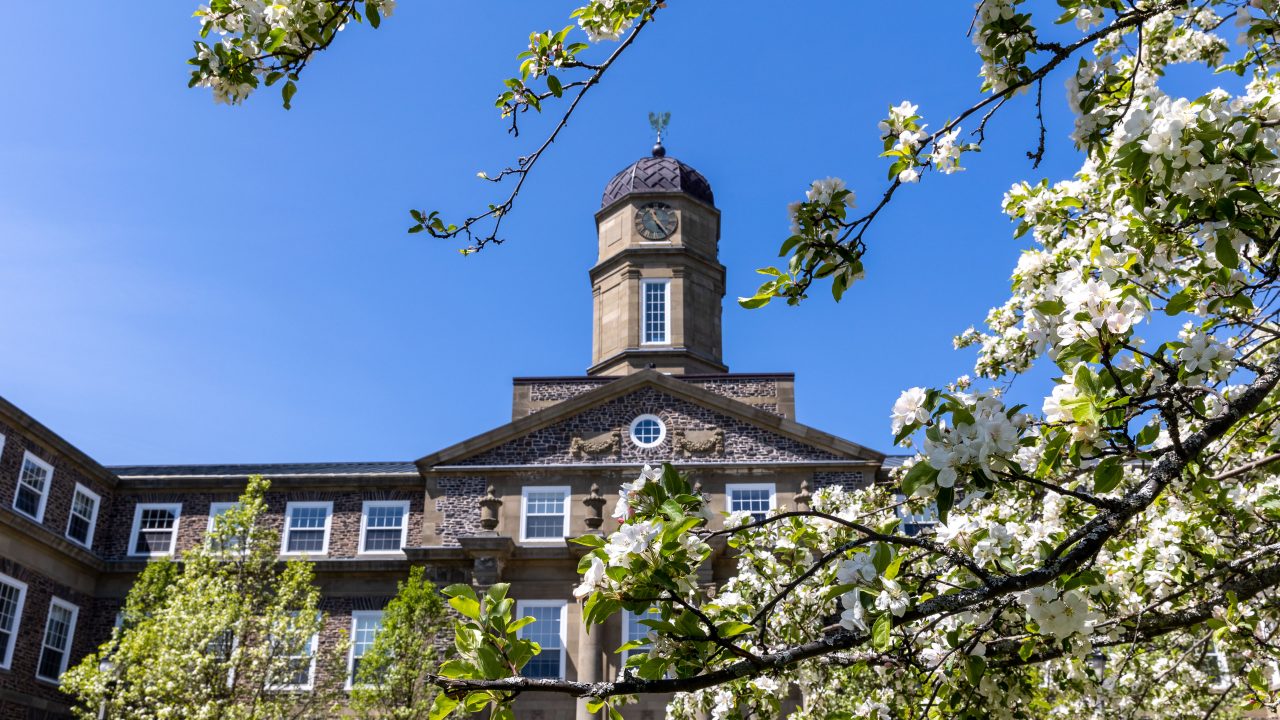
<point x="654" y="193"/>
<point x="854" y="462"/>
<point x="530" y="379"/>
<point x="57" y="442"/>
<point x="734" y="408"/>
<point x="269" y="475"/>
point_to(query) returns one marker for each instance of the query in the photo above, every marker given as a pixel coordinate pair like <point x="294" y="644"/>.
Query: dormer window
<point x="657" y="319"/>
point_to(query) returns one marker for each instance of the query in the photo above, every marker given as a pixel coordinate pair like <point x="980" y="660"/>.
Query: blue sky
<point x="185" y="282"/>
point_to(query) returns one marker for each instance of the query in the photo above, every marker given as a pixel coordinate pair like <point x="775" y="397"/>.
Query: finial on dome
<point x="659" y="122"/>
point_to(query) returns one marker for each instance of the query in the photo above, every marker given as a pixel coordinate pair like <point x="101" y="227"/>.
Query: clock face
<point x="655" y="221"/>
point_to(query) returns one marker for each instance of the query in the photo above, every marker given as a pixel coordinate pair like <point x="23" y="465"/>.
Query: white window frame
<point x="627" y="616"/>
<point x="662" y="430"/>
<point x="137" y="527"/>
<point x="93" y="517"/>
<point x="216" y="509"/>
<point x="312" y="647"/>
<point x="7" y="660"/>
<point x="666" y="310"/>
<point x="288" y="519"/>
<point x="356" y="615"/>
<point x="1224" y="668"/>
<point x="524" y="512"/>
<point x="523" y="605"/>
<point x="44" y="638"/>
<point x="404" y="525"/>
<point x="731" y="488"/>
<point x="48" y="483"/>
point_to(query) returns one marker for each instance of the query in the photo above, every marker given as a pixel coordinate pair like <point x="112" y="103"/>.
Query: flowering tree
<point x="393" y="679"/>
<point x="228" y="633"/>
<point x="1111" y="552"/>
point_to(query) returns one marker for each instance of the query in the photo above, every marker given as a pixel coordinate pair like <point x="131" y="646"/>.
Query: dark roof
<point x="658" y="175"/>
<point x="895" y="461"/>
<point x="268" y="469"/>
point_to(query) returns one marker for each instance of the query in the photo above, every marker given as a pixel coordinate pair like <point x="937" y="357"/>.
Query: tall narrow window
<point x="13" y="593"/>
<point x="84" y="515"/>
<point x="755" y="499"/>
<point x="365" y="625"/>
<point x="59" y="630"/>
<point x="632" y="630"/>
<point x="306" y="527"/>
<point x="655" y="298"/>
<point x="383" y="526"/>
<point x="33" y="487"/>
<point x="543" y="515"/>
<point x="299" y="664"/>
<point x="217" y="510"/>
<point x="547" y="629"/>
<point x="155" y="529"/>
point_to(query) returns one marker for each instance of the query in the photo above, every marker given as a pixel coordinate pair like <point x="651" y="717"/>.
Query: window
<point x="633" y="630"/>
<point x="756" y="499"/>
<point x="547" y="630"/>
<point x="916" y="521"/>
<point x="33" y="486"/>
<point x="299" y="665"/>
<point x="365" y="625"/>
<point x="306" y="527"/>
<point x="384" y="524"/>
<point x="59" y="630"/>
<point x="543" y="515"/>
<point x="155" y="529"/>
<point x="217" y="510"/>
<point x="13" y="594"/>
<point x="648" y="431"/>
<point x="1215" y="667"/>
<point x="84" y="515"/>
<point x="654" y="296"/>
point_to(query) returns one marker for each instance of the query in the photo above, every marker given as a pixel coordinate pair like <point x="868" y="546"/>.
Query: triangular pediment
<point x="702" y="427"/>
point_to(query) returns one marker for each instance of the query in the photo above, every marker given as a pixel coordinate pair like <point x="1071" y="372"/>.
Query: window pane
<point x="544" y="502"/>
<point x="56" y="632"/>
<point x="636" y="631"/>
<point x="753" y="501"/>
<point x="78" y="529"/>
<point x="306" y="540"/>
<point x="655" y="312"/>
<point x="28" y="501"/>
<point x="647" y="431"/>
<point x="545" y="630"/>
<point x="155" y="531"/>
<point x="308" y="517"/>
<point x="381" y="540"/>
<point x="8" y="618"/>
<point x="544" y="526"/>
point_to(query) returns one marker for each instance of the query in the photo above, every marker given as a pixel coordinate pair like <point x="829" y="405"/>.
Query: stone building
<point x="496" y="507"/>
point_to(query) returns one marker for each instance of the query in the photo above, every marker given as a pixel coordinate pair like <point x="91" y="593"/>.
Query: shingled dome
<point x="658" y="174"/>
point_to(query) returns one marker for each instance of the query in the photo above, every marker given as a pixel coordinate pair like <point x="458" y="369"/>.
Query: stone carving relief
<point x="699" y="442"/>
<point x="604" y="444"/>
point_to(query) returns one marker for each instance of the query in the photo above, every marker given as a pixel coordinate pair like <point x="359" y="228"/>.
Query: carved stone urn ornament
<point x="595" y="507"/>
<point x="489" y="505"/>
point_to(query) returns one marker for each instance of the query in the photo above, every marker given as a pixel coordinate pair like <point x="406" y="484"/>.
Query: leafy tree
<point x="1111" y="552"/>
<point x="227" y="633"/>
<point x="394" y="677"/>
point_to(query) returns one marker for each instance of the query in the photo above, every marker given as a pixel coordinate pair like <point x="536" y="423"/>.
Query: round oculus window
<point x="648" y="431"/>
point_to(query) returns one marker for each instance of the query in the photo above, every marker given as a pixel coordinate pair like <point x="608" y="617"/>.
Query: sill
<point x="305" y="555"/>
<point x="77" y="543"/>
<point x="39" y="520"/>
<point x="47" y="681"/>
<point x="148" y="556"/>
<point x="382" y="555"/>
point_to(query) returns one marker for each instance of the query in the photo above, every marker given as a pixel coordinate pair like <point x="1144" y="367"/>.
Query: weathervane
<point x="659" y="123"/>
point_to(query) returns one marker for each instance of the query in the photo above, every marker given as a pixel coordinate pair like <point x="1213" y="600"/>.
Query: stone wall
<point x="344" y="528"/>
<point x="742" y="441"/>
<point x="61" y="486"/>
<point x="459" y="507"/>
<point x="848" y="480"/>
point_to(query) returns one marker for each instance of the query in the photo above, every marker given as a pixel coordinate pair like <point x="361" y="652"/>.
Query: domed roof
<point x="658" y="174"/>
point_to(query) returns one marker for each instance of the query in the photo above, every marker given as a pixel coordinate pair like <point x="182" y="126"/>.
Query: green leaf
<point x="553" y="84"/>
<point x="1225" y="253"/>
<point x="372" y="13"/>
<point x="975" y="667"/>
<point x="287" y="93"/>
<point x="1180" y="302"/>
<point x="442" y="707"/>
<point x="880" y="632"/>
<point x="468" y="607"/>
<point x="1107" y="475"/>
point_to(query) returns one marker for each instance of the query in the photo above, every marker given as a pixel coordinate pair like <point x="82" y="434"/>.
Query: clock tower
<point x="658" y="284"/>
